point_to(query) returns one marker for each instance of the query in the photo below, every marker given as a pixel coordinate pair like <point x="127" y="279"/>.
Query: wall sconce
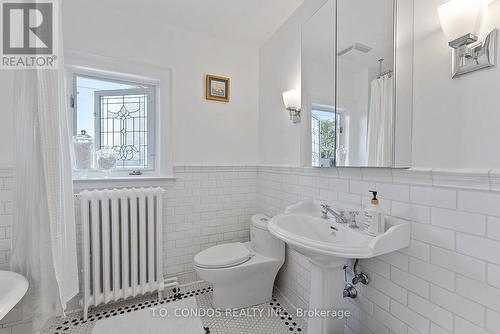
<point x="462" y="21"/>
<point x="291" y="99"/>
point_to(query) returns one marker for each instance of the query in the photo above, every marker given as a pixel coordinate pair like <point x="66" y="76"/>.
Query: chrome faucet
<point x="339" y="217"/>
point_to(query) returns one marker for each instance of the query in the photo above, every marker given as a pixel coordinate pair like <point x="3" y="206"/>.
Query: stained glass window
<point x="119" y="116"/>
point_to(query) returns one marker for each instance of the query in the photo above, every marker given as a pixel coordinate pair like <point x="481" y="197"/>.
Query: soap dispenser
<point x="374" y="217"/>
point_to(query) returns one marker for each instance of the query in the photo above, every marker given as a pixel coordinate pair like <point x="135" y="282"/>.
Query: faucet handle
<point x="353" y="215"/>
<point x="324" y="211"/>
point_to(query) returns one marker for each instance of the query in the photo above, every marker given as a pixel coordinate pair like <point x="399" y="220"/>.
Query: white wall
<point x="455" y="121"/>
<point x="204" y="132"/>
<point x="430" y="287"/>
<point x="206" y="206"/>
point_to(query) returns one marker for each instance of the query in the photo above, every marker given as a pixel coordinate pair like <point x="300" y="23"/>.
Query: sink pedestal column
<point x="327" y="284"/>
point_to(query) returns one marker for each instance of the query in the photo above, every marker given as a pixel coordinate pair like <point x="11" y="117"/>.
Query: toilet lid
<point x="222" y="256"/>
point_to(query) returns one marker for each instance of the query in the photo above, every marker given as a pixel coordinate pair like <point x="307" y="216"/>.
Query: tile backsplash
<point x="447" y="281"/>
<point x="6" y="200"/>
<point x="204" y="207"/>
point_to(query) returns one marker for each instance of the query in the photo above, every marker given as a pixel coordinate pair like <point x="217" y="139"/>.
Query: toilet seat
<point x="223" y="256"/>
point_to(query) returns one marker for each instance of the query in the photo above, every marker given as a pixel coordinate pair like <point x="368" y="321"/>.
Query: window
<point x="323" y="131"/>
<point x="119" y="115"/>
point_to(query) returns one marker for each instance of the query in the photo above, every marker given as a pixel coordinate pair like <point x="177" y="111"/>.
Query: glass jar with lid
<point x="83" y="147"/>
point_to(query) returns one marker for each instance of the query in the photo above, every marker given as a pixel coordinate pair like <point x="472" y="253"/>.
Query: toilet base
<point x="246" y="293"/>
<point x="244" y="285"/>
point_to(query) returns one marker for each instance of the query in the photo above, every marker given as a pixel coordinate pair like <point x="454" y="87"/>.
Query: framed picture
<point x="217" y="88"/>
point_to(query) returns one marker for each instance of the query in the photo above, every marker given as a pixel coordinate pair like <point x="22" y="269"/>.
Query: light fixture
<point x="291" y="99"/>
<point x="462" y="21"/>
<point x="353" y="50"/>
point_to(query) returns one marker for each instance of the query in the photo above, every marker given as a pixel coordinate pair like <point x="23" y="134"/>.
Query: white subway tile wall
<point x="203" y="207"/>
<point x="447" y="281"/>
<point x="6" y="184"/>
<point x="12" y="323"/>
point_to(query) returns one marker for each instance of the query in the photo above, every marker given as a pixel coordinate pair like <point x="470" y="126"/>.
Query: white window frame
<point x="87" y="65"/>
<point x="149" y="92"/>
<point x="318" y="146"/>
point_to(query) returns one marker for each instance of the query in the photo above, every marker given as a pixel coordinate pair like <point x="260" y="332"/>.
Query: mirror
<point x="356" y="84"/>
<point x="365" y="82"/>
<point x="318" y="47"/>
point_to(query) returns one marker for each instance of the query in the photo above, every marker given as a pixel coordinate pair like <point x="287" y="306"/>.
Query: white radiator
<point x="121" y="244"/>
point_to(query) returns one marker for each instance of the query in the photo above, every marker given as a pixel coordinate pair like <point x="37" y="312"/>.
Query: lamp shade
<point x="291" y="99"/>
<point x="461" y="17"/>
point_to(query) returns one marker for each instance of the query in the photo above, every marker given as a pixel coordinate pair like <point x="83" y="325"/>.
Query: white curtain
<point x="43" y="236"/>
<point x="380" y="123"/>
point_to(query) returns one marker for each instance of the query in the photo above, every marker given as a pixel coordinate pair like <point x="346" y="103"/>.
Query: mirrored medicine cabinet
<point x="357" y="84"/>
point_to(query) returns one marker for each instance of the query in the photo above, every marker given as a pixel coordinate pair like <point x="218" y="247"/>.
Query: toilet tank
<point x="262" y="241"/>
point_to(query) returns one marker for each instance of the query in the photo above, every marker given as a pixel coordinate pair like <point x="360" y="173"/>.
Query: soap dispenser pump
<point x="374" y="216"/>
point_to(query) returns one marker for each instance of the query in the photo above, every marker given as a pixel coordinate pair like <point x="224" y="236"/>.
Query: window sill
<point x="121" y="182"/>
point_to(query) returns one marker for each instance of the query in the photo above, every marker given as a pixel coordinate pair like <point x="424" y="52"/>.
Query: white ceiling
<point x="250" y="21"/>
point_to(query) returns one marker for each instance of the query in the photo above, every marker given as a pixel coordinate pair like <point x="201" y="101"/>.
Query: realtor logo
<point x="28" y="34"/>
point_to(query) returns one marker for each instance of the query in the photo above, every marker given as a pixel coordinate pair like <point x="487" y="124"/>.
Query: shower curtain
<point x="380" y="122"/>
<point x="43" y="232"/>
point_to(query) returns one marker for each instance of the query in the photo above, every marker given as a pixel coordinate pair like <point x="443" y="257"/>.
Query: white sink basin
<point x="327" y="245"/>
<point x="302" y="228"/>
<point x="12" y="288"/>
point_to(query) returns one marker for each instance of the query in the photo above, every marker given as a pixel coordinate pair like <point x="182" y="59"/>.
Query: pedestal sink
<point x="12" y="288"/>
<point x="327" y="245"/>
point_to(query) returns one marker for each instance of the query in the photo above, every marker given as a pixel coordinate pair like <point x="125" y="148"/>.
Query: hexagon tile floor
<point x="274" y="317"/>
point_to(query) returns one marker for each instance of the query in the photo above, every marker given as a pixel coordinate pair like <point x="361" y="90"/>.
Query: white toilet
<point x="242" y="274"/>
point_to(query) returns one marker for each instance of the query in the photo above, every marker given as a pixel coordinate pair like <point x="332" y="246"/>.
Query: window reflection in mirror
<point x="329" y="136"/>
<point x="323" y="130"/>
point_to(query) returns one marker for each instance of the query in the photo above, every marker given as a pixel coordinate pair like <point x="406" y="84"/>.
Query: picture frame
<point x="217" y="88"/>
